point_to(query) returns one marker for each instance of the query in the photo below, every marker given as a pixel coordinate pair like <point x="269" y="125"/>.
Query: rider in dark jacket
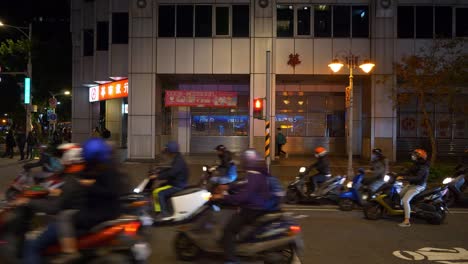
<point x="226" y="171"/>
<point x="379" y="167"/>
<point x="322" y="166"/>
<point x="417" y="177"/>
<point x="176" y="177"/>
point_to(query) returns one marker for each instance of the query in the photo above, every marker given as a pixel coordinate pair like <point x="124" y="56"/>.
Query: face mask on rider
<point x="317" y="155"/>
<point x="373" y="157"/>
<point x="414" y="157"/>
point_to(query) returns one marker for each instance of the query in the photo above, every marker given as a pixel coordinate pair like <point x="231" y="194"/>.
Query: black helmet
<point x="220" y="148"/>
<point x="377" y="152"/>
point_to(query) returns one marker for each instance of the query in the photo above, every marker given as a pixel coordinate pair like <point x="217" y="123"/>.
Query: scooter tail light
<point x="131" y="228"/>
<point x="294" y="230"/>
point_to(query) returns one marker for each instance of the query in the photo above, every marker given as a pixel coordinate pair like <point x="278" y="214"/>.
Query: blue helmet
<point x="96" y="150"/>
<point x="172" y="147"/>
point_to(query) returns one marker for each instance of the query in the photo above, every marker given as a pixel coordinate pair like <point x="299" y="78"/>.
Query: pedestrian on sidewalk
<point x="280" y="142"/>
<point x="21" y="141"/>
<point x="31" y="142"/>
<point x="10" y="144"/>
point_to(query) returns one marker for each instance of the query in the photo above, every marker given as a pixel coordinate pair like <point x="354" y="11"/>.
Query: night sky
<point x="51" y="48"/>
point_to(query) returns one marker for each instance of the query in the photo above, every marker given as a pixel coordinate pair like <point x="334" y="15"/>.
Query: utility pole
<point x="268" y="111"/>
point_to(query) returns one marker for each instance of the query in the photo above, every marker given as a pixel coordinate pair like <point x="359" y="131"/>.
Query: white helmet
<point x="71" y="154"/>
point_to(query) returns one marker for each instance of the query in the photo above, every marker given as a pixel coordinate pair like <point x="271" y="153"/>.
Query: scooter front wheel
<point x="185" y="248"/>
<point x="373" y="211"/>
<point x="450" y="198"/>
<point x="292" y="197"/>
<point x="346" y="204"/>
<point x="284" y="255"/>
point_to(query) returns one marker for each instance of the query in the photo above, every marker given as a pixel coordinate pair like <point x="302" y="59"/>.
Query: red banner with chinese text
<point x="200" y="98"/>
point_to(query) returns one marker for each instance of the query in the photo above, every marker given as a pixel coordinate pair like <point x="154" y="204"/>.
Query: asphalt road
<point x="332" y="236"/>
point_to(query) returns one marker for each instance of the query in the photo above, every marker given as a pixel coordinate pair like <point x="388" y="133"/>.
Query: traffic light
<point x="258" y="108"/>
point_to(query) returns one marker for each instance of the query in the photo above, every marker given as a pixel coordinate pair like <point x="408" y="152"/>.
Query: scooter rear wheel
<point x="346" y="204"/>
<point x="284" y="255"/>
<point x="373" y="211"/>
<point x="185" y="248"/>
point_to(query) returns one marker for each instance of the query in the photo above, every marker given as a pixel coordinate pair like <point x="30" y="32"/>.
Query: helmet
<point x="220" y="148"/>
<point x="252" y="160"/>
<point x="96" y="150"/>
<point x="72" y="157"/>
<point x="320" y="151"/>
<point x="377" y="152"/>
<point x="172" y="147"/>
<point x="419" y="154"/>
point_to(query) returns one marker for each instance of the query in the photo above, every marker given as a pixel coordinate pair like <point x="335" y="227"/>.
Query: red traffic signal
<point x="258" y="108"/>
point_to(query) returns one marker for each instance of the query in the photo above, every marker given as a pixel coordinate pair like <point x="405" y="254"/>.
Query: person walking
<point x="21" y="141"/>
<point x="10" y="144"/>
<point x="280" y="142"/>
<point x="31" y="142"/>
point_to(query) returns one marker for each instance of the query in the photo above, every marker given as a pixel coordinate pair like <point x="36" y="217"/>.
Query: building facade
<point x="179" y="57"/>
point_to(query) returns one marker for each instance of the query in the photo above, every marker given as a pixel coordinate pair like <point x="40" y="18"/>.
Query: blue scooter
<point x="355" y="195"/>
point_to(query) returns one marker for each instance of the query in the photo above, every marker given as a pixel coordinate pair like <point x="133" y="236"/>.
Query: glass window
<point x="408" y="125"/>
<point x="336" y="124"/>
<point x="184" y="21"/>
<point x="303" y="21"/>
<point x="166" y="21"/>
<point x="203" y="21"/>
<point x="102" y="36"/>
<point x="424" y="21"/>
<point x="443" y="22"/>
<point x="360" y="21"/>
<point x="322" y="21"/>
<point x="284" y="21"/>
<point x="88" y="42"/>
<point x="240" y="21"/>
<point x="405" y="22"/>
<point x="422" y="131"/>
<point x="293" y="124"/>
<point x="443" y="125"/>
<point x="120" y="28"/>
<point x="222" y="20"/>
<point x="461" y="24"/>
<point x="341" y="21"/>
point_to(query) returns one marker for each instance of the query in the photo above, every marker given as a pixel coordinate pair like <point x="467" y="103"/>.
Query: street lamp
<point x="28" y="35"/>
<point x="352" y="61"/>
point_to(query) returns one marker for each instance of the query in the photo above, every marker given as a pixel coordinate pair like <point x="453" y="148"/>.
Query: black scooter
<point x="457" y="187"/>
<point x="298" y="190"/>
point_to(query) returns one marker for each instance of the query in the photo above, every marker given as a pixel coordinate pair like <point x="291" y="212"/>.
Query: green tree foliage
<point x="14" y="54"/>
<point x="435" y="75"/>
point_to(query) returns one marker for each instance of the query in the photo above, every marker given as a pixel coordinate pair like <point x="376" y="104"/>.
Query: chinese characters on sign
<point x="108" y="91"/>
<point x="200" y="98"/>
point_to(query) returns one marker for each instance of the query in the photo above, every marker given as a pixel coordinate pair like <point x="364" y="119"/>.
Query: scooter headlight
<point x="205" y="169"/>
<point x="386" y="178"/>
<point x="342" y="181"/>
<point x="206" y="196"/>
<point x="349" y="185"/>
<point x="136" y="190"/>
<point x="447" y="180"/>
<point x="302" y="169"/>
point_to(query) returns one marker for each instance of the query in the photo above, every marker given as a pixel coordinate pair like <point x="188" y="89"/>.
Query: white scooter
<point x="185" y="204"/>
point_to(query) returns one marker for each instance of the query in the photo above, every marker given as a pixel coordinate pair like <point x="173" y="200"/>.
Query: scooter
<point x="357" y="193"/>
<point x="428" y="205"/>
<point x="274" y="237"/>
<point x="298" y="189"/>
<point x="124" y="239"/>
<point x="457" y="185"/>
<point x="24" y="180"/>
<point x="185" y="203"/>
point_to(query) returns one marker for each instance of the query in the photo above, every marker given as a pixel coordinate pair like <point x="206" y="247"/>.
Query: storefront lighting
<point x="66" y="93"/>
<point x="300" y="102"/>
<point x="336" y="65"/>
<point x="367" y="66"/>
<point x="286" y="101"/>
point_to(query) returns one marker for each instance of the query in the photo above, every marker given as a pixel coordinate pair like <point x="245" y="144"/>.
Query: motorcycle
<point x="357" y="193"/>
<point x="427" y="205"/>
<point x="124" y="239"/>
<point x="298" y="190"/>
<point x="457" y="187"/>
<point x="25" y="180"/>
<point x="273" y="237"/>
<point x="185" y="204"/>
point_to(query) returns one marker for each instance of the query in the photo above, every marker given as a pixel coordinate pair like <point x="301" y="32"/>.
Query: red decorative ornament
<point x="294" y="60"/>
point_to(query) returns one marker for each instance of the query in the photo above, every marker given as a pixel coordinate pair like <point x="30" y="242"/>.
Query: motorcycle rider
<point x="50" y="163"/>
<point x="417" y="177"/>
<point x="253" y="199"/>
<point x="323" y="169"/>
<point x="102" y="186"/>
<point x="226" y="171"/>
<point x="379" y="167"/>
<point x="176" y="179"/>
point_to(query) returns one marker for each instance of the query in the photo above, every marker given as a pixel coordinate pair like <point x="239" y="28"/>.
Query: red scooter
<point x="25" y="180"/>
